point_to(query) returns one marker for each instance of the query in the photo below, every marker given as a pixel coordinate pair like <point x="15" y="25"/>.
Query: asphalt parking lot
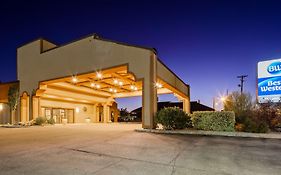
<point x="117" y="149"/>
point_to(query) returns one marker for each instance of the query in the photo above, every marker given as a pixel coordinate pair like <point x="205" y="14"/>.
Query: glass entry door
<point x="70" y="115"/>
<point x="58" y="114"/>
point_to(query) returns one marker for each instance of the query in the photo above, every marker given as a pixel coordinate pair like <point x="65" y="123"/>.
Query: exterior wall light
<point x="77" y="110"/>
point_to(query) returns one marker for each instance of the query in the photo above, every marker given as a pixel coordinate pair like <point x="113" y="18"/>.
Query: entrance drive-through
<point x="80" y="82"/>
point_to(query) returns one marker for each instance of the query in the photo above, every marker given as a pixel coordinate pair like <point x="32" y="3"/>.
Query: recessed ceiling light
<point x="115" y="90"/>
<point x="74" y="79"/>
<point x="120" y="83"/>
<point x="132" y="87"/>
<point x="99" y="75"/>
<point x="115" y="81"/>
<point x="158" y="85"/>
<point x="135" y="88"/>
<point x="98" y="86"/>
<point x="92" y="84"/>
<point x="110" y="89"/>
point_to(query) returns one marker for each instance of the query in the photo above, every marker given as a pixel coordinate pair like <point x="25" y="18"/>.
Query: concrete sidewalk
<point x="213" y="133"/>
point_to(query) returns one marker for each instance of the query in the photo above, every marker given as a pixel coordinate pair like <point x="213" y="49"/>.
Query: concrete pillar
<point x="106" y="113"/>
<point x="36" y="108"/>
<point x="24" y="111"/>
<point x="186" y="105"/>
<point x="95" y="114"/>
<point x="149" y="96"/>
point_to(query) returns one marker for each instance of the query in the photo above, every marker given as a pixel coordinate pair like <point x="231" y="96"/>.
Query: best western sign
<point x="269" y="81"/>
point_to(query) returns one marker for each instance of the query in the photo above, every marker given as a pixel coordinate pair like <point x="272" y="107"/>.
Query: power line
<point x="242" y="80"/>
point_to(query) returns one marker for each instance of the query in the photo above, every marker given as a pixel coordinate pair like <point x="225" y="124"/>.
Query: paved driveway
<point x="117" y="149"/>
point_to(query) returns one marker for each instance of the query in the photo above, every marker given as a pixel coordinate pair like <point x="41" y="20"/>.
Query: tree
<point x="124" y="114"/>
<point x="241" y="104"/>
<point x="13" y="99"/>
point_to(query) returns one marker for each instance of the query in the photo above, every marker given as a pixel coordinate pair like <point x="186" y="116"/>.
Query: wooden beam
<point x="80" y="89"/>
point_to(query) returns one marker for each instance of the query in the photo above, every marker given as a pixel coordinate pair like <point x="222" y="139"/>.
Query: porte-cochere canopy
<point x="83" y="78"/>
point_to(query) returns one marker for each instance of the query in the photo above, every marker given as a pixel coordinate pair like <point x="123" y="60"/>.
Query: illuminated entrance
<point x="58" y="114"/>
<point x="86" y="76"/>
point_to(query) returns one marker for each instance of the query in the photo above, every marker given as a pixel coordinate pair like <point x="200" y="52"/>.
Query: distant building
<point x="5" y="112"/>
<point x="194" y="106"/>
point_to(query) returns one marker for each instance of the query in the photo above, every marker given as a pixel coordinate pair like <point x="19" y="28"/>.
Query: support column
<point x="95" y="114"/>
<point x="186" y="105"/>
<point x="36" y="107"/>
<point x="149" y="95"/>
<point x="106" y="113"/>
<point x="24" y="111"/>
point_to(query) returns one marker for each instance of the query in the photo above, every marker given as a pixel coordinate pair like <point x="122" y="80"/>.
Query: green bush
<point x="51" y="121"/>
<point x="40" y="120"/>
<point x="173" y="118"/>
<point x="214" y="121"/>
<point x="255" y="124"/>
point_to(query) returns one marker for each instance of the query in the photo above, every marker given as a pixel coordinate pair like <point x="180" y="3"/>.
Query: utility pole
<point x="242" y="79"/>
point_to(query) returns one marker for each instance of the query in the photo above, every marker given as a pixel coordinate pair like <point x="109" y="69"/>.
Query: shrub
<point x="214" y="121"/>
<point x="173" y="118"/>
<point x="40" y="120"/>
<point x="256" y="123"/>
<point x="51" y="121"/>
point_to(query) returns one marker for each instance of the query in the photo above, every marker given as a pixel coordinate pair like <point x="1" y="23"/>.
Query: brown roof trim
<point x="70" y="42"/>
<point x="95" y="36"/>
<point x="131" y="45"/>
<point x="38" y="39"/>
<point x="171" y="71"/>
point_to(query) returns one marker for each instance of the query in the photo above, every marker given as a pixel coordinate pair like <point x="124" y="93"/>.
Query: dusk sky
<point x="206" y="43"/>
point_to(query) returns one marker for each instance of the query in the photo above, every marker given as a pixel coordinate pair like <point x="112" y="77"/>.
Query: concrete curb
<point x="213" y="133"/>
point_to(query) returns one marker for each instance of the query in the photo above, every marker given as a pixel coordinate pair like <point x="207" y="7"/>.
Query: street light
<point x="218" y="101"/>
<point x="223" y="99"/>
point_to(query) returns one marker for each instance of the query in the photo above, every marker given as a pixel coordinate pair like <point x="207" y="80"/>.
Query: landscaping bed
<point x="274" y="135"/>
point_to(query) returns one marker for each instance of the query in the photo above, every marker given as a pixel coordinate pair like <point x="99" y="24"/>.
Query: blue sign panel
<point x="269" y="86"/>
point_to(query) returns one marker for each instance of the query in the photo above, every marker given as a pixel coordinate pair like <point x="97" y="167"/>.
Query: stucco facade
<point x="45" y="71"/>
